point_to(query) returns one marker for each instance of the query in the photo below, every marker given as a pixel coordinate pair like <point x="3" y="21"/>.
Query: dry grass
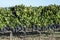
<point x="30" y="37"/>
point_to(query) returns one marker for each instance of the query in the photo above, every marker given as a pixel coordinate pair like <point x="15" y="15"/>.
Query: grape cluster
<point x="34" y="27"/>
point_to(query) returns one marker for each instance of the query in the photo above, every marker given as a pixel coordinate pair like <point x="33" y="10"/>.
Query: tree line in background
<point x="21" y="15"/>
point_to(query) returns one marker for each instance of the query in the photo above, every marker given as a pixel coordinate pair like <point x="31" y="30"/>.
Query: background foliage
<point x="28" y="16"/>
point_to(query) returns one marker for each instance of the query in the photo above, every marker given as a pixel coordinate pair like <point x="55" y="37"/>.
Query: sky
<point x="9" y="3"/>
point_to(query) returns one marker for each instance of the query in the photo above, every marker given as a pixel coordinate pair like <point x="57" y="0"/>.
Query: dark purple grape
<point x="17" y="29"/>
<point x="42" y="28"/>
<point x="4" y="30"/>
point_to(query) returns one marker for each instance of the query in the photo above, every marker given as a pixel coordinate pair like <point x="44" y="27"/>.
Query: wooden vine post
<point x="11" y="36"/>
